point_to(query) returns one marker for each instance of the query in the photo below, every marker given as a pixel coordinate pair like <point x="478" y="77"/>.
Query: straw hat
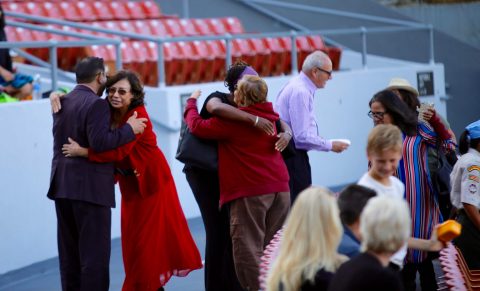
<point x="399" y="83"/>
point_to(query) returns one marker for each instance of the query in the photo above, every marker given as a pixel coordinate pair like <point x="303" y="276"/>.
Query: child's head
<point x="251" y="90"/>
<point x="351" y="202"/>
<point x="384" y="150"/>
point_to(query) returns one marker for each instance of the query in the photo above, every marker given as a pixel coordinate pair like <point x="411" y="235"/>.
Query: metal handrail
<point x="363" y="31"/>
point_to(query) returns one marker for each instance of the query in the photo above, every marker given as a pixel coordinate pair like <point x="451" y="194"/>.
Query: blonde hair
<point x="252" y="89"/>
<point x="384" y="137"/>
<point x="312" y="234"/>
<point x="384" y="224"/>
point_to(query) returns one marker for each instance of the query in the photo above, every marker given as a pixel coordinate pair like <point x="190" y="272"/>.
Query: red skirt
<point x="156" y="240"/>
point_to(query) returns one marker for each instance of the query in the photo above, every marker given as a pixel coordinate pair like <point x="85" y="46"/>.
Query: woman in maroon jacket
<point x="253" y="175"/>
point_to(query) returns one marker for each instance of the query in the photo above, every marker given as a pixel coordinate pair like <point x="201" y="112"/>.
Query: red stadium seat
<point x="175" y="62"/>
<point x="135" y="10"/>
<point x="85" y="10"/>
<point x="52" y="10"/>
<point x="151" y="9"/>
<point x="216" y="26"/>
<point x="118" y="10"/>
<point x="148" y="64"/>
<point x="33" y="8"/>
<point x="125" y="26"/>
<point x="14" y="7"/>
<point x="12" y="34"/>
<point x="335" y="54"/>
<point x="68" y="11"/>
<point x="129" y="56"/>
<point x="173" y="27"/>
<point x="188" y="27"/>
<point x="189" y="68"/>
<point x="102" y="11"/>
<point x="317" y="43"/>
<point x="204" y="70"/>
<point x="304" y="48"/>
<point x="218" y="51"/>
<point x="242" y="50"/>
<point x="233" y="25"/>
<point x="263" y="57"/>
<point x="142" y="27"/>
<point x="157" y="27"/>
<point x="201" y="26"/>
<point x="279" y="56"/>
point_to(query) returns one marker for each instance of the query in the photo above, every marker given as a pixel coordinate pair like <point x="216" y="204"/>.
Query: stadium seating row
<point x="185" y="62"/>
<point x="457" y="275"/>
<point x="87" y="10"/>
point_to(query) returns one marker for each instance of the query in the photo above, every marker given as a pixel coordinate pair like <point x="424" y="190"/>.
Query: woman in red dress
<point x="156" y="241"/>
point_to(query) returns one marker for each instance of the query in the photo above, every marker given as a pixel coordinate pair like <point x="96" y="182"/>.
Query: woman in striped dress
<point x="387" y="108"/>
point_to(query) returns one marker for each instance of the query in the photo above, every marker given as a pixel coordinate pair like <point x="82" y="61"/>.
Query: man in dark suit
<point x="84" y="191"/>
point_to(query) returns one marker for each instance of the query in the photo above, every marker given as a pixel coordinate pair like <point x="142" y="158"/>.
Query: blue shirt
<point x="349" y="245"/>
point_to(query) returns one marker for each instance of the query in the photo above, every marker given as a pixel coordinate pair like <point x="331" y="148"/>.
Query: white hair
<point x="384" y="224"/>
<point x="315" y="59"/>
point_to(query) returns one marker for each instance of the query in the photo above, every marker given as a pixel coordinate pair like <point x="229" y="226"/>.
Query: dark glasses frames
<point x="113" y="90"/>
<point x="378" y="115"/>
<point x="329" y="73"/>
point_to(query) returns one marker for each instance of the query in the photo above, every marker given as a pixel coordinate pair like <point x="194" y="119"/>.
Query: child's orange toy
<point x="448" y="230"/>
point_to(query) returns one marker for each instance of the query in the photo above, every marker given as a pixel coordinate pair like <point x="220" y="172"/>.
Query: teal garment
<point x="19" y="80"/>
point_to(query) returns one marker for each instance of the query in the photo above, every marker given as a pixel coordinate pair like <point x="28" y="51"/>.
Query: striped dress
<point x="413" y="172"/>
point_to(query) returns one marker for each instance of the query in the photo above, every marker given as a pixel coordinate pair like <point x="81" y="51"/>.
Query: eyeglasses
<point x="377" y="115"/>
<point x="329" y="73"/>
<point x="113" y="90"/>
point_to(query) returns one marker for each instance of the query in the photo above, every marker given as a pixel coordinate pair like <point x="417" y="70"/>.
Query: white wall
<point x="27" y="217"/>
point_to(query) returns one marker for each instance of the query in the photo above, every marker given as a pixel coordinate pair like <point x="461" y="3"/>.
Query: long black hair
<point x="402" y="115"/>
<point x="464" y="144"/>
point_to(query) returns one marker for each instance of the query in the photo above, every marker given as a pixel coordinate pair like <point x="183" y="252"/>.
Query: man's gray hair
<point x="315" y="59"/>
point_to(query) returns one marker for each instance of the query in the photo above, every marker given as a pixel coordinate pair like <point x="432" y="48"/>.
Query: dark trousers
<point x="469" y="241"/>
<point x="427" y="276"/>
<point x="84" y="242"/>
<point x="300" y="173"/>
<point x="219" y="268"/>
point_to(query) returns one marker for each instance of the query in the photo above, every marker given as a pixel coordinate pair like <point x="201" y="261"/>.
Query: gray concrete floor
<point x="45" y="276"/>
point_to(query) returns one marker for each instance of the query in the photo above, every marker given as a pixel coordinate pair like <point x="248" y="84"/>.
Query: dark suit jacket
<point x="86" y="118"/>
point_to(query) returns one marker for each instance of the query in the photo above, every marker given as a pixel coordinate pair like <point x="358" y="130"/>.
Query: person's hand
<point x="428" y="114"/>
<point x="283" y="140"/>
<point x="55" y="103"/>
<point x="196" y="94"/>
<point x="434" y="245"/>
<point x="73" y="149"/>
<point x="338" y="146"/>
<point x="138" y="124"/>
<point x="265" y="125"/>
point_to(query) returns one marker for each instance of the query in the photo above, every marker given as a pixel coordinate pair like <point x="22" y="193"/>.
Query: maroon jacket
<point x="86" y="118"/>
<point x="248" y="163"/>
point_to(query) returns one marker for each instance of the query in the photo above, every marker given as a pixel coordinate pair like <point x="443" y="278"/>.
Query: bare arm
<point x="216" y="107"/>
<point x="430" y="245"/>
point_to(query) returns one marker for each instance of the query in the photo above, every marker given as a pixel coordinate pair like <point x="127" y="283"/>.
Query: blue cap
<point x="473" y="130"/>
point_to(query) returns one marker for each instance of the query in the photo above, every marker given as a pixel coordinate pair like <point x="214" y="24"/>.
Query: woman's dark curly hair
<point x="136" y="87"/>
<point x="402" y="115"/>
<point x="233" y="74"/>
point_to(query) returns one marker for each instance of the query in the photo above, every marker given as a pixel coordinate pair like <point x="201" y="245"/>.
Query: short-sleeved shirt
<point x="465" y="180"/>
<point x="395" y="190"/>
